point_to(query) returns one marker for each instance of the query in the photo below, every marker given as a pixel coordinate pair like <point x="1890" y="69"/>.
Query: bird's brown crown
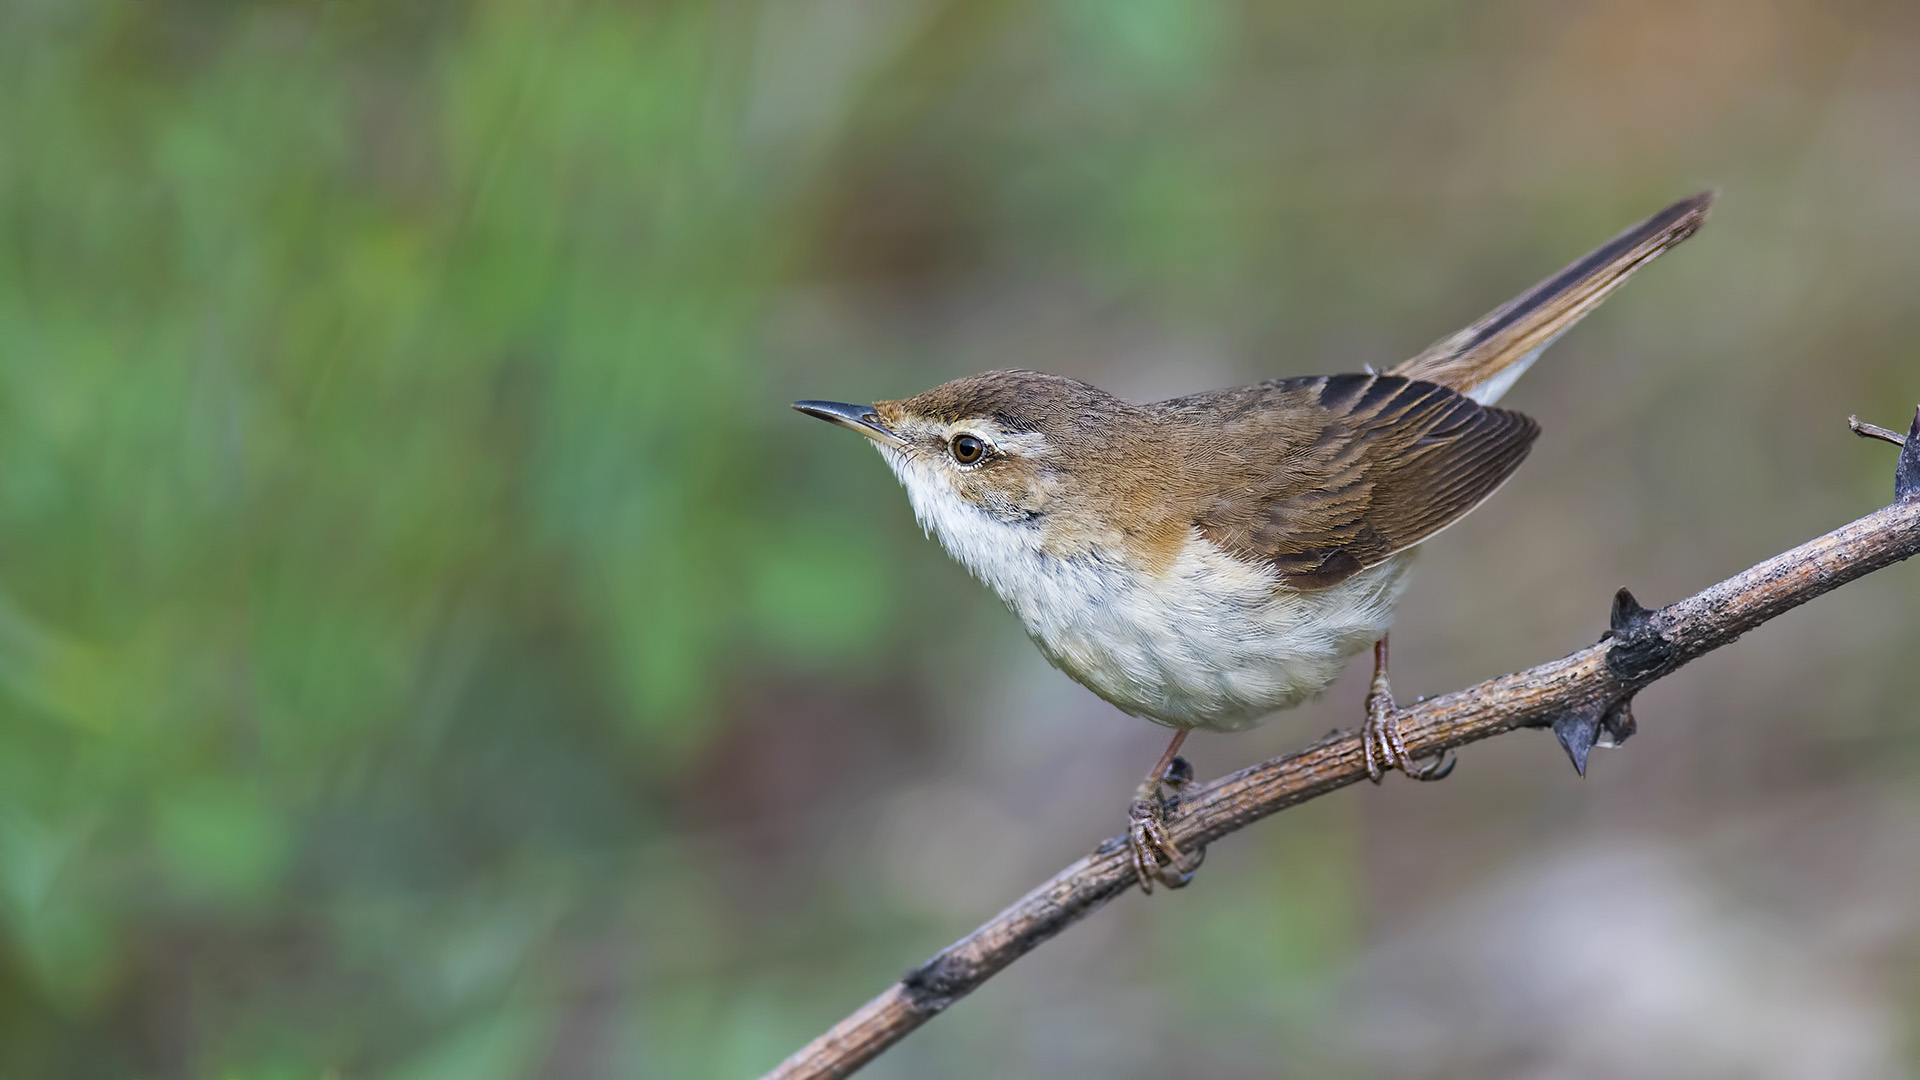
<point x="1015" y="402"/>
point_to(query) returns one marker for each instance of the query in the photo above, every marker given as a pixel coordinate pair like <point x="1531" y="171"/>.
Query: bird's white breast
<point x="1210" y="641"/>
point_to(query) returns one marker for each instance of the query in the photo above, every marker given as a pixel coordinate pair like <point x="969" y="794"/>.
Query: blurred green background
<point x="430" y="648"/>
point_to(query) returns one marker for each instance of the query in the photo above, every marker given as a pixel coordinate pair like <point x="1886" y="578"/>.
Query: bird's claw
<point x="1385" y="747"/>
<point x="1154" y="854"/>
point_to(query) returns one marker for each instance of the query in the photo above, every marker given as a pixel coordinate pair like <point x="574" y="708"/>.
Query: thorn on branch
<point x="936" y="984"/>
<point x="1598" y="723"/>
<point x="1639" y="652"/>
<point x="1639" y="649"/>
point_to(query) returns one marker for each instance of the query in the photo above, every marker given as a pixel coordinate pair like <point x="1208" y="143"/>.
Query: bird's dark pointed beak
<point x="860" y="418"/>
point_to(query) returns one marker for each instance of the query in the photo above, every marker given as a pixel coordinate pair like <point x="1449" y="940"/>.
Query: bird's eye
<point x="967" y="449"/>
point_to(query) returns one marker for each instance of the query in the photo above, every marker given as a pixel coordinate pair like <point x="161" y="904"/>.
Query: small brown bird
<point x="1205" y="561"/>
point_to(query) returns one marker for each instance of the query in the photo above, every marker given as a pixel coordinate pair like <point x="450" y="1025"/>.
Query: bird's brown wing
<point x="1323" y="477"/>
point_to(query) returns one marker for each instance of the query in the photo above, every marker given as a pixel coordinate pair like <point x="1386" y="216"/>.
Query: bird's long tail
<point x="1483" y="360"/>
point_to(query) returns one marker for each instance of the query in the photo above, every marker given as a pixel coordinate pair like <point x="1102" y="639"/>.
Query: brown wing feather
<point x="1322" y="477"/>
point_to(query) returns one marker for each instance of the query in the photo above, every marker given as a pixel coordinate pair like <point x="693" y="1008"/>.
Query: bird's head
<point x="1020" y="450"/>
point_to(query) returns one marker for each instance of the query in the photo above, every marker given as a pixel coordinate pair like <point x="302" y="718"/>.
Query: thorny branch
<point x="1584" y="698"/>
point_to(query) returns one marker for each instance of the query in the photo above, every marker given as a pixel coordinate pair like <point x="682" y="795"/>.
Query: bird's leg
<point x="1381" y="735"/>
<point x="1155" y="856"/>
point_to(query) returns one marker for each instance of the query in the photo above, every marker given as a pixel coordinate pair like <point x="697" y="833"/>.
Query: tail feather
<point x="1484" y="359"/>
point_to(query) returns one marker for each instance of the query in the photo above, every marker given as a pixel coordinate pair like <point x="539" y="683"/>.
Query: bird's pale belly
<point x="1211" y="642"/>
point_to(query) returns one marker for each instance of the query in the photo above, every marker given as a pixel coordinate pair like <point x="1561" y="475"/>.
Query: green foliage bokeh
<point x="353" y="374"/>
<point x="430" y="648"/>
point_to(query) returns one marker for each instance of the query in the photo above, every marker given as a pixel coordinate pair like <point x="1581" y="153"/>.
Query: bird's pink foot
<point x="1385" y="747"/>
